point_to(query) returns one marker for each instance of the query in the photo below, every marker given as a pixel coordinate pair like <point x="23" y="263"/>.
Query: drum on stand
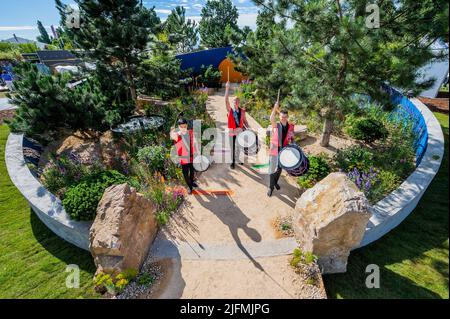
<point x="201" y="163"/>
<point x="293" y="160"/>
<point x="248" y="141"/>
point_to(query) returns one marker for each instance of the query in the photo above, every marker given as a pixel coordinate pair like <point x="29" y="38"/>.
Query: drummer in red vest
<point x="237" y="121"/>
<point x="185" y="145"/>
<point x="284" y="132"/>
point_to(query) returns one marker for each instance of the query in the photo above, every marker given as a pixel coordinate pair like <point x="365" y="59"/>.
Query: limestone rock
<point x="330" y="220"/>
<point x="123" y="230"/>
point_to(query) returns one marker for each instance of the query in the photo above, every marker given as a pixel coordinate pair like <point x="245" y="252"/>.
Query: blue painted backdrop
<point x="406" y="112"/>
<point x="195" y="60"/>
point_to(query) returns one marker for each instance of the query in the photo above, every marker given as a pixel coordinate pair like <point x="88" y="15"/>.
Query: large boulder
<point x="330" y="220"/>
<point x="123" y="230"/>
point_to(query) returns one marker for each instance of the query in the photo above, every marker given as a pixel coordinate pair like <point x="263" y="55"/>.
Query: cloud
<point x="18" y="28"/>
<point x="163" y="11"/>
<point x="248" y="19"/>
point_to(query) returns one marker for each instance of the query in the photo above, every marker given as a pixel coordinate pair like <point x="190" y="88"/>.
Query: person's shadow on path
<point x="229" y="213"/>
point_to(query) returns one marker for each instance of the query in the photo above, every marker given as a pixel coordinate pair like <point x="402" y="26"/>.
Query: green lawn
<point x="413" y="258"/>
<point x="33" y="260"/>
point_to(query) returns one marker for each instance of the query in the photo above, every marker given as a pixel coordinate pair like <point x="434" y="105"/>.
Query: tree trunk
<point x="326" y="133"/>
<point x="131" y="80"/>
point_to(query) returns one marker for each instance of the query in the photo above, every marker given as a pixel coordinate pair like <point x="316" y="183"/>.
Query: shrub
<point x="375" y="184"/>
<point x="81" y="200"/>
<point x="368" y="130"/>
<point x="65" y="171"/>
<point x="354" y="157"/>
<point x="210" y="76"/>
<point x="145" y="280"/>
<point x="166" y="199"/>
<point x="114" y="285"/>
<point x="318" y="170"/>
<point x="302" y="258"/>
<point x="399" y="149"/>
<point x="154" y="156"/>
<point x="387" y="183"/>
<point x="45" y="104"/>
<point x="365" y="181"/>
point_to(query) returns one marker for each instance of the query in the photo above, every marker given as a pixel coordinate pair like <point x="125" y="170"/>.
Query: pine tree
<point x="257" y="58"/>
<point x="43" y="37"/>
<point x="113" y="32"/>
<point x="45" y="104"/>
<point x="331" y="52"/>
<point x="182" y="33"/>
<point x="219" y="19"/>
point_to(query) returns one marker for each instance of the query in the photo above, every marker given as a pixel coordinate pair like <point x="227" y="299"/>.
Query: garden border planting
<point x="46" y="205"/>
<point x="386" y="214"/>
<point x="394" y="208"/>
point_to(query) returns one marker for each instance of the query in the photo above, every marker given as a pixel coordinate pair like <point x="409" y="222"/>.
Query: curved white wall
<point x="393" y="209"/>
<point x="387" y="213"/>
<point x="46" y="205"/>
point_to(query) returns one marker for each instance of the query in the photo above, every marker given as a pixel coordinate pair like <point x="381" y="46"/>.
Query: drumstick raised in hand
<point x="278" y="98"/>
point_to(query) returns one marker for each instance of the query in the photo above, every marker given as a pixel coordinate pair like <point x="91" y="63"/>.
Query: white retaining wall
<point x="387" y="213"/>
<point x="46" y="205"/>
<point x="393" y="209"/>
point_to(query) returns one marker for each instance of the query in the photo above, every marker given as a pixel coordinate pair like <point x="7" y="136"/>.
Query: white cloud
<point x="247" y="19"/>
<point x="18" y="28"/>
<point x="163" y="11"/>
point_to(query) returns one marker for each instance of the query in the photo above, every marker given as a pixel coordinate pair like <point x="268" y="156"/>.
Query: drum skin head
<point x="247" y="139"/>
<point x="201" y="163"/>
<point x="290" y="157"/>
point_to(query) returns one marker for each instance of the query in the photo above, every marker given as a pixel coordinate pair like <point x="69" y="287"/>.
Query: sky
<point x="20" y="16"/>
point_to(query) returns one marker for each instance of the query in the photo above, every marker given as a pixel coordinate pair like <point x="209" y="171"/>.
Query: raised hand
<point x="277" y="106"/>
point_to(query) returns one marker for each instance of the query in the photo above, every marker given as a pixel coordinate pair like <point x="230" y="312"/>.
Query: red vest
<point x="232" y="123"/>
<point x="276" y="136"/>
<point x="186" y="154"/>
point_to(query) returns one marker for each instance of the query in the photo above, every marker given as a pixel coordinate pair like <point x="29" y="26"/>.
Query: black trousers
<point x="275" y="171"/>
<point x="233" y="147"/>
<point x="188" y="174"/>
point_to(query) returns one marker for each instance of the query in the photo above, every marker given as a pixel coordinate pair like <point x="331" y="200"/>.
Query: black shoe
<point x="194" y="184"/>
<point x="277" y="187"/>
<point x="232" y="166"/>
<point x="269" y="192"/>
<point x="241" y="163"/>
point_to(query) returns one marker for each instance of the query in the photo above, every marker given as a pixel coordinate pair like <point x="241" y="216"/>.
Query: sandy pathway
<point x="225" y="246"/>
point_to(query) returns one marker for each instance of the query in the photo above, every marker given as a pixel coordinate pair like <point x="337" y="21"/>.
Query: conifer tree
<point x="43" y="37"/>
<point x="333" y="49"/>
<point x="183" y="33"/>
<point x="113" y="32"/>
<point x="219" y="19"/>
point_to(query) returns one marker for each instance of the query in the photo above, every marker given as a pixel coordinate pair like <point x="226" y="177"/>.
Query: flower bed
<point x="393" y="169"/>
<point x="79" y="182"/>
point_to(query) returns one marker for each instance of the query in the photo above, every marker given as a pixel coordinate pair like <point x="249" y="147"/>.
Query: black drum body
<point x="293" y="160"/>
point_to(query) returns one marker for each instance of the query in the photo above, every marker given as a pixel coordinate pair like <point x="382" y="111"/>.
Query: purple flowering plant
<point x="364" y="180"/>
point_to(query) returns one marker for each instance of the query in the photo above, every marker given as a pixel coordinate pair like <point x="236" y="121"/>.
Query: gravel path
<point x="226" y="246"/>
<point x="5" y="105"/>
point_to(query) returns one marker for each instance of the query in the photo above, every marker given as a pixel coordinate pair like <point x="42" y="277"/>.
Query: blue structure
<point x="407" y="113"/>
<point x="195" y="60"/>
